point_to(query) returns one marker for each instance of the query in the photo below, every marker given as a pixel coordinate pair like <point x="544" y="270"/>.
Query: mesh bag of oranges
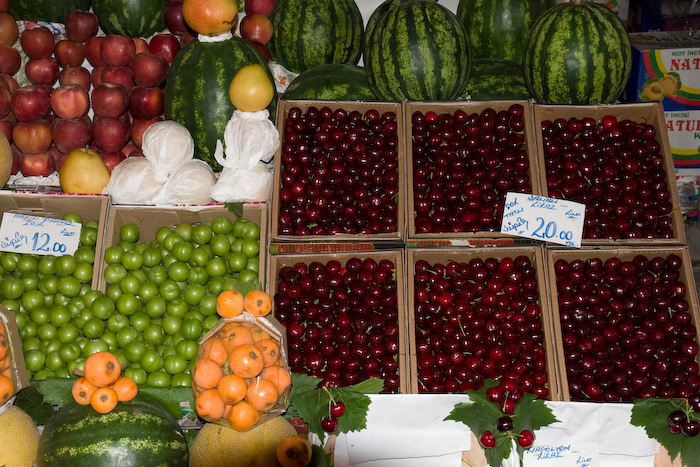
<point x="13" y="372"/>
<point x="241" y="377"/>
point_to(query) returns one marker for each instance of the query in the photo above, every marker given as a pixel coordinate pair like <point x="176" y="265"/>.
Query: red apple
<point x="263" y="7"/>
<point x="109" y="99"/>
<point x="92" y="50"/>
<point x="69" y="53"/>
<point x="69" y="134"/>
<point x="256" y="28"/>
<point x="263" y="49"/>
<point x="149" y="70"/>
<point x="112" y="159"/>
<point x="30" y="103"/>
<point x="80" y="25"/>
<point x="110" y="134"/>
<point x="6" y="125"/>
<point x="5" y="5"/>
<point x="37" y="42"/>
<point x="136" y="152"/>
<point x="146" y="102"/>
<point x="37" y="164"/>
<point x="42" y="70"/>
<point x="70" y="101"/>
<point x="138" y="126"/>
<point x="174" y="21"/>
<point x="16" y="157"/>
<point x="74" y="75"/>
<point x="118" y="74"/>
<point x="141" y="44"/>
<point x="165" y="45"/>
<point x="10" y="60"/>
<point x="8" y="80"/>
<point x="5" y="97"/>
<point x="9" y="31"/>
<point x="117" y="50"/>
<point x="32" y="137"/>
<point x="53" y="150"/>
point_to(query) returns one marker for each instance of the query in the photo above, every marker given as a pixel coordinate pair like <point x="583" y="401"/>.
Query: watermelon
<point x="133" y="18"/>
<point x="50" y="10"/>
<point x="497" y="28"/>
<point x="196" y="91"/>
<point x="494" y="79"/>
<point x="307" y="33"/>
<point x="416" y="50"/>
<point x="577" y="54"/>
<point x="138" y="433"/>
<point x="333" y="81"/>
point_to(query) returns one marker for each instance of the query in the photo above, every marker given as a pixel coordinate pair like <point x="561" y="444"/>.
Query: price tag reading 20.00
<point x="20" y="233"/>
<point x="541" y="218"/>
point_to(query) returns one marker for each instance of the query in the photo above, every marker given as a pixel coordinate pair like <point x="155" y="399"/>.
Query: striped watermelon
<point x="133" y="18"/>
<point x="577" y="54"/>
<point x="137" y="433"/>
<point x="48" y="10"/>
<point x="196" y="91"/>
<point x="493" y="79"/>
<point x="497" y="28"/>
<point x="333" y="81"/>
<point x="307" y="33"/>
<point x="416" y="50"/>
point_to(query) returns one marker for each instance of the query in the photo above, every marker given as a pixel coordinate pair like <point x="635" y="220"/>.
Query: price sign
<point x="541" y="218"/>
<point x="20" y="233"/>
<point x="564" y="455"/>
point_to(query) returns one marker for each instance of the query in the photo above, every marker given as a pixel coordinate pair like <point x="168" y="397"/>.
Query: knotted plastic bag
<point x="167" y="145"/>
<point x="251" y="140"/>
<point x="190" y="183"/>
<point x="132" y="182"/>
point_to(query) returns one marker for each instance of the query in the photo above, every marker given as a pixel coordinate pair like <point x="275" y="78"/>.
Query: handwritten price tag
<point x="20" y="233"/>
<point x="541" y="218"/>
<point x="565" y="455"/>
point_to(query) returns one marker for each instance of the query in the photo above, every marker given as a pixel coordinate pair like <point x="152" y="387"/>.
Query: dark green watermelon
<point x="45" y="10"/>
<point x="494" y="79"/>
<point x="333" y="81"/>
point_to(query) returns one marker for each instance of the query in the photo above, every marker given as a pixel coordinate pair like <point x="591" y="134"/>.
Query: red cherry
<point x="526" y="438"/>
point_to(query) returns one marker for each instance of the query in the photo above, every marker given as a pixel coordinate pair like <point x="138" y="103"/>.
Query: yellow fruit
<point x="210" y="17"/>
<point x="222" y="446"/>
<point x="83" y="171"/>
<point x="19" y="438"/>
<point x="251" y="89"/>
<point x="654" y="91"/>
<point x="5" y="160"/>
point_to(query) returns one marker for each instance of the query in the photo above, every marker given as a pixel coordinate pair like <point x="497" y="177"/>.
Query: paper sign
<point x="541" y="218"/>
<point x="20" y="233"/>
<point x="565" y="455"/>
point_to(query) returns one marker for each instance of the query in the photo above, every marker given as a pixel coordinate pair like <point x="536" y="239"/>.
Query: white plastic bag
<point x="132" y="182"/>
<point x="167" y="145"/>
<point x="190" y="183"/>
<point x="236" y="186"/>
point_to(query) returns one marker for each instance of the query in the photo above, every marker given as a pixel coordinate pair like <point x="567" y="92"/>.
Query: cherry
<point x="504" y="423"/>
<point x="329" y="424"/>
<point x="677" y="417"/>
<point x="690" y="428"/>
<point x="526" y="438"/>
<point x="337" y="409"/>
<point x="487" y="439"/>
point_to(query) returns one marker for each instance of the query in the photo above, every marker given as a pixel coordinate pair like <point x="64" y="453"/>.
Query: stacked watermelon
<point x="333" y="81"/>
<point x="133" y="18"/>
<point x="50" y="10"/>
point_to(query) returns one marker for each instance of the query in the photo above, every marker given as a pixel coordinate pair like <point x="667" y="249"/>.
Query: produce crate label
<point x="564" y="455"/>
<point x="20" y="233"/>
<point x="541" y="218"/>
<point x="684" y="138"/>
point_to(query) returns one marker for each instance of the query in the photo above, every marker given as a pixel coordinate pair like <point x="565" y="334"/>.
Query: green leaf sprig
<point x="311" y="403"/>
<point x="482" y="415"/>
<point x="652" y="415"/>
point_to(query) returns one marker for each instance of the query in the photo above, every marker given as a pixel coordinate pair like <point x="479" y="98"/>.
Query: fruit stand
<point x="338" y="232"/>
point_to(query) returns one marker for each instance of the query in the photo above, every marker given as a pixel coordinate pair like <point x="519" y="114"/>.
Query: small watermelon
<point x="333" y="81"/>
<point x="494" y="79"/>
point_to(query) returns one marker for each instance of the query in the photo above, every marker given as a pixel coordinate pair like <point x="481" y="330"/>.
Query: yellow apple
<point x="251" y="89"/>
<point x="83" y="171"/>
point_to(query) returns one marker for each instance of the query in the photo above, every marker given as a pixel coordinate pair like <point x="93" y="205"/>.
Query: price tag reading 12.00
<point x="546" y="219"/>
<point x="20" y="233"/>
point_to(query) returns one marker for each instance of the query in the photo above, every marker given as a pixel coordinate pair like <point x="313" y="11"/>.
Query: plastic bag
<point x="167" y="145"/>
<point x="132" y="182"/>
<point x="190" y="183"/>
<point x="243" y="185"/>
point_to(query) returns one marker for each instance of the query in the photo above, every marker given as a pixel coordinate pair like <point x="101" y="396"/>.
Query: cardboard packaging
<point x="10" y="335"/>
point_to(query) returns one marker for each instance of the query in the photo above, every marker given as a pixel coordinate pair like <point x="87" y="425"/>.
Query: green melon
<point x="48" y="10"/>
<point x="333" y="81"/>
<point x="494" y="79"/>
<point x="133" y="18"/>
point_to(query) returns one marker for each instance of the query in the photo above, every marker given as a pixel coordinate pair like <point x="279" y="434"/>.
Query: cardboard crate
<point x="478" y="238"/>
<point x="277" y="262"/>
<point x="625" y="254"/>
<point x="650" y="113"/>
<point x="444" y="256"/>
<point x="283" y="108"/>
<point x="57" y="205"/>
<point x="151" y="218"/>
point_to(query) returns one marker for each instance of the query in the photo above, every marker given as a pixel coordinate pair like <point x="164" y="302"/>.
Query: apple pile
<point x="121" y="79"/>
<point x="256" y="27"/>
